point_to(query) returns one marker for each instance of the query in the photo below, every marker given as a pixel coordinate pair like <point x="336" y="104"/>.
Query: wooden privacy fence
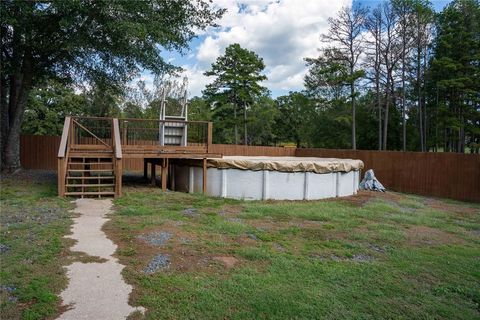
<point x="448" y="175"/>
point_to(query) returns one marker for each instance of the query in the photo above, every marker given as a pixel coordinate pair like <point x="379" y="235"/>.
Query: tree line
<point x="397" y="76"/>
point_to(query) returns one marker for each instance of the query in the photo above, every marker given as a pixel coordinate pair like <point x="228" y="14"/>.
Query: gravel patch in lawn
<point x="10" y="292"/>
<point x="190" y="212"/>
<point x="40" y="216"/>
<point x="4" y="248"/>
<point x="156" y="238"/>
<point x="162" y="261"/>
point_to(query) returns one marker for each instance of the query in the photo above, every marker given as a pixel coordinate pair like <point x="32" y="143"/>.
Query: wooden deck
<point x="92" y="149"/>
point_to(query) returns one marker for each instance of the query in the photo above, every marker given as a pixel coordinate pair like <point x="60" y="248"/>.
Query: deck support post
<point x="145" y="169"/>
<point x="153" y="168"/>
<point x="118" y="177"/>
<point x="164" y="174"/>
<point x="61" y="177"/>
<point x="204" y="176"/>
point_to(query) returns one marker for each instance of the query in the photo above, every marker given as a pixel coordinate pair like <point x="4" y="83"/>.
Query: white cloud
<point x="282" y="32"/>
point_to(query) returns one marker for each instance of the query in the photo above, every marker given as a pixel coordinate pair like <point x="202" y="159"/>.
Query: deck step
<point x="90" y="170"/>
<point x="91" y="163"/>
<point x="90" y="185"/>
<point x="73" y="155"/>
<point x="88" y="178"/>
<point x="91" y="193"/>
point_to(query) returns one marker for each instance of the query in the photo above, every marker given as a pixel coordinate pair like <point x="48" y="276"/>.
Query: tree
<point x="390" y="54"/>
<point x="297" y="118"/>
<point x="261" y="122"/>
<point x="238" y="75"/>
<point x="422" y="20"/>
<point x="373" y="63"/>
<point x="47" y="106"/>
<point x="107" y="41"/>
<point x="404" y="11"/>
<point x="346" y="35"/>
<point x="454" y="73"/>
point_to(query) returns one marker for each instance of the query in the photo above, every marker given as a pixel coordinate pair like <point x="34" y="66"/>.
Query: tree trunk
<point x="387" y="107"/>
<point x="354" y="139"/>
<point x="424" y="99"/>
<point x="11" y="144"/>
<point x="404" y="111"/>
<point x="436" y="122"/>
<point x="235" y="123"/>
<point x="420" y="111"/>
<point x="379" y="122"/>
<point x="245" y="139"/>
<point x="4" y="122"/>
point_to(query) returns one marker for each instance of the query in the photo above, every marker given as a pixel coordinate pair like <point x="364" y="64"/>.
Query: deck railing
<point x="92" y="131"/>
<point x="165" y="133"/>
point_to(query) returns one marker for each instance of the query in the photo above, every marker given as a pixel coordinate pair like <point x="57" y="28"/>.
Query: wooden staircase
<point x="90" y="159"/>
<point x="90" y="175"/>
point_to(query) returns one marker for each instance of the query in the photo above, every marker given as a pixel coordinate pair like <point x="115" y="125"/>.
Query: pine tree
<point x="238" y="75"/>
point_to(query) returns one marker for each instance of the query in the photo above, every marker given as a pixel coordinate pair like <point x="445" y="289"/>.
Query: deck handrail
<point x="139" y="119"/>
<point x="117" y="144"/>
<point x="62" y="150"/>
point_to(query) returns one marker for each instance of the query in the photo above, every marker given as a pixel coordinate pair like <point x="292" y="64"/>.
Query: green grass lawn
<point x="374" y="256"/>
<point x="33" y="221"/>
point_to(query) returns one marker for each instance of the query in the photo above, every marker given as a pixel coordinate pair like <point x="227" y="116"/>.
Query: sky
<point x="282" y="32"/>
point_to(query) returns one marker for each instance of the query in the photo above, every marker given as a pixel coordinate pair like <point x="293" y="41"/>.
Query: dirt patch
<point x="358" y="200"/>
<point x="230" y="210"/>
<point x="461" y="210"/>
<point x="228" y="261"/>
<point x="363" y="197"/>
<point x="422" y="235"/>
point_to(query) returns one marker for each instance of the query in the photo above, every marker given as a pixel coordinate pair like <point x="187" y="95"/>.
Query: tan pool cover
<point x="287" y="164"/>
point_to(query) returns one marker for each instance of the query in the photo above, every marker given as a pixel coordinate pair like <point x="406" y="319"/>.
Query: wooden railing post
<point x="65" y="143"/>
<point x="117" y="149"/>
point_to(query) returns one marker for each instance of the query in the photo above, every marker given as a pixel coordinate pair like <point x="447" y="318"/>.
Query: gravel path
<point x="95" y="290"/>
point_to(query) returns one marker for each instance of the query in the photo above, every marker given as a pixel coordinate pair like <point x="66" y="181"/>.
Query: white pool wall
<point x="265" y="184"/>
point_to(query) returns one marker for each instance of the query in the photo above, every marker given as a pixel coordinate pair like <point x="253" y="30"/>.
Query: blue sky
<point x="282" y="32"/>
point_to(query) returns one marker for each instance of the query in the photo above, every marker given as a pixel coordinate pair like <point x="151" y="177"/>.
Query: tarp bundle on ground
<point x="369" y="182"/>
<point x="287" y="164"/>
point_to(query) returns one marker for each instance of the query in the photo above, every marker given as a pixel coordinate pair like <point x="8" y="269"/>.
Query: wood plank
<point x="209" y="136"/>
<point x="91" y="193"/>
<point x="116" y="138"/>
<point x="91" y="178"/>
<point x="91" y="163"/>
<point x="171" y="155"/>
<point x="90" y="170"/>
<point x="204" y="176"/>
<point x="153" y="173"/>
<point x="145" y="169"/>
<point x="118" y="177"/>
<point x="63" y="141"/>
<point x="90" y="147"/>
<point x="61" y="177"/>
<point x="90" y="185"/>
<point x="164" y="174"/>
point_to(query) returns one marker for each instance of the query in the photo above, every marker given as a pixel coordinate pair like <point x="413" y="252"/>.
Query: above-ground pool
<point x="262" y="178"/>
